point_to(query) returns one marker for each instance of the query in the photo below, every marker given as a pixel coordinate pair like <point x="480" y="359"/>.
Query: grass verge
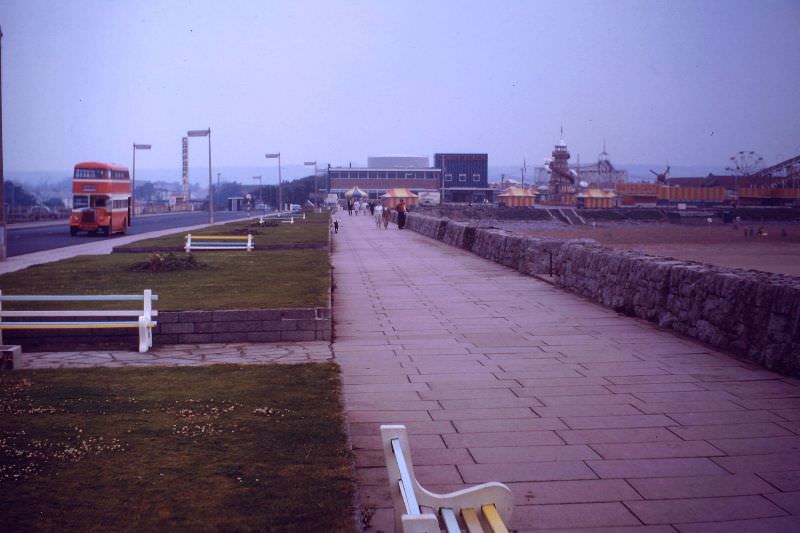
<point x="312" y="230"/>
<point x="231" y="280"/>
<point x="218" y="448"/>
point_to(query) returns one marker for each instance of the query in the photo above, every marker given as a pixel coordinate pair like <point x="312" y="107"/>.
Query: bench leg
<point x="421" y="523"/>
<point x="143" y="333"/>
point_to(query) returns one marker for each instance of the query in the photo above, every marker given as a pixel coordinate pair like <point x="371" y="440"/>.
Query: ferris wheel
<point x="745" y="163"/>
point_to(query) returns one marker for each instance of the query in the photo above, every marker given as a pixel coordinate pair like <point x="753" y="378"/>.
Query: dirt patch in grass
<point x="218" y="448"/>
<point x="168" y="263"/>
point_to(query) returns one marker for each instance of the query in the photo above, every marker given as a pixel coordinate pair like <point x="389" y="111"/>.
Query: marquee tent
<point x="356" y="194"/>
<point x="518" y="197"/>
<point x="394" y="196"/>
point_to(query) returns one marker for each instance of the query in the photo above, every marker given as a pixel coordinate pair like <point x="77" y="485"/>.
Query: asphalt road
<point x="28" y="238"/>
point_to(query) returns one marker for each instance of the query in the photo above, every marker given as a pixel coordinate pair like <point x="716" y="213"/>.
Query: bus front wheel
<point x="73" y="230"/>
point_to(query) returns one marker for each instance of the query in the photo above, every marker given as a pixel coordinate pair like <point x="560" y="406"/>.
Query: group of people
<point x="382" y="215"/>
<point x="359" y="207"/>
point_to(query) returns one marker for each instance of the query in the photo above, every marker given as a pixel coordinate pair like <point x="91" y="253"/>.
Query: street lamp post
<point x="314" y="163"/>
<point x="133" y="179"/>
<point x="260" y="198"/>
<point x="280" y="181"/>
<point x="3" y="246"/>
<point x="442" y="175"/>
<point x="204" y="133"/>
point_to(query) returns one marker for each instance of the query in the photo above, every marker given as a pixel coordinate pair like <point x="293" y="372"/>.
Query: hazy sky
<point x="689" y="82"/>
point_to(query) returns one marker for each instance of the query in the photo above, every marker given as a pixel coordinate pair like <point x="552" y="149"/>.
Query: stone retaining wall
<point x="748" y="313"/>
<point x="190" y="327"/>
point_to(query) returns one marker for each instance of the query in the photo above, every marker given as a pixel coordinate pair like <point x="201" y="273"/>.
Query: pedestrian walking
<point x="378" y="215"/>
<point x="401" y="214"/>
<point x="336" y="225"/>
<point x="387" y="216"/>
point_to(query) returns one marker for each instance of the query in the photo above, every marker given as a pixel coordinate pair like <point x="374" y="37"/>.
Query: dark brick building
<point x="465" y="177"/>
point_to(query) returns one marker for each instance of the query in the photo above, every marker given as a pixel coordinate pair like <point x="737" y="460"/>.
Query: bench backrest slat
<point x="74" y="297"/>
<point x="450" y="520"/>
<point x="493" y="518"/>
<point x="75" y="312"/>
<point x="199" y="238"/>
<point x="406" y="485"/>
<point x="471" y="520"/>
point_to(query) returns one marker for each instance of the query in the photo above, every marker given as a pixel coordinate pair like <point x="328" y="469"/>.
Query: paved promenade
<point x="595" y="420"/>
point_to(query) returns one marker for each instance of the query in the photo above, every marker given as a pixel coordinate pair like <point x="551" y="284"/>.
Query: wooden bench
<point x="219" y="242"/>
<point x="144" y="317"/>
<point x="485" y="507"/>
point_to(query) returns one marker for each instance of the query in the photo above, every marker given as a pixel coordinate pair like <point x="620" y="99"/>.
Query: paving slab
<point x="597" y="421"/>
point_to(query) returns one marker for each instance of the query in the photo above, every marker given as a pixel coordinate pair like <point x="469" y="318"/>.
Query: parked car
<point x="39" y="212"/>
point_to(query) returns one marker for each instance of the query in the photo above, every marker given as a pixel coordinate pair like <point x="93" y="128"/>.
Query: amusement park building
<point x="383" y="173"/>
<point x="461" y="177"/>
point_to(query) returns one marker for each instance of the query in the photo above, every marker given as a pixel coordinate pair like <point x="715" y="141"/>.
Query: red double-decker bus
<point x="101" y="198"/>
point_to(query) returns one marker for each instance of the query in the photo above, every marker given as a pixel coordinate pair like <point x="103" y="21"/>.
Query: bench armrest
<point x="469" y="498"/>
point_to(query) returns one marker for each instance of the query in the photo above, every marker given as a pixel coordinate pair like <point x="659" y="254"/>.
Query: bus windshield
<point x="80" y="201"/>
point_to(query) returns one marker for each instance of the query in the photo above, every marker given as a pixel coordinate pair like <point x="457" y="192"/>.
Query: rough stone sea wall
<point x="748" y="313"/>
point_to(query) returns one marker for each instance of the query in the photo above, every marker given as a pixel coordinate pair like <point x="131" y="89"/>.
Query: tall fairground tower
<point x="561" y="189"/>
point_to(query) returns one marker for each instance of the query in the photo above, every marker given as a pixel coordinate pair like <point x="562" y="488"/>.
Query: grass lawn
<point x="232" y="280"/>
<point x="228" y="280"/>
<point x="217" y="448"/>
<point x="313" y="230"/>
